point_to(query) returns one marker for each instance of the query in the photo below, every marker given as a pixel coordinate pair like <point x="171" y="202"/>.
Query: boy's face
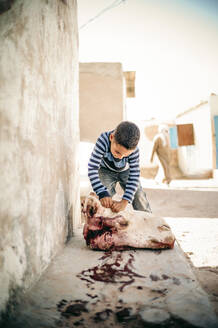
<point x="117" y="150"/>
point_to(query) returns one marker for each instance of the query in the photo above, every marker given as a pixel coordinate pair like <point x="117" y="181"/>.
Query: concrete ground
<point x="190" y="208"/>
<point x="136" y="288"/>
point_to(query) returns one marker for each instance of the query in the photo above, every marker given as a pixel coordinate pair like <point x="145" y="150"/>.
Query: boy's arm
<point x="118" y="206"/>
<point x="134" y="175"/>
<point x="94" y="164"/>
<point x="107" y="202"/>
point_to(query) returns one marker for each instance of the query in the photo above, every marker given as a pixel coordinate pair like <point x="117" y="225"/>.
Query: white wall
<point x="197" y="158"/>
<point x="145" y="146"/>
<point x="213" y="101"/>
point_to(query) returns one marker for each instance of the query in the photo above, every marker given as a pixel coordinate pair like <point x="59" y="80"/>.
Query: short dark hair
<point x="127" y="134"/>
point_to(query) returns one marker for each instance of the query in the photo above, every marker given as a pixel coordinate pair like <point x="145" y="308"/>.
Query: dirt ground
<point x="193" y="216"/>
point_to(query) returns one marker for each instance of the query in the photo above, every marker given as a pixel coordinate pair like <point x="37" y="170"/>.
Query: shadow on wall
<point x="5" y="5"/>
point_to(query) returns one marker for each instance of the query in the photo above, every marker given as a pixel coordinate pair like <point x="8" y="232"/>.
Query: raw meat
<point x="104" y="229"/>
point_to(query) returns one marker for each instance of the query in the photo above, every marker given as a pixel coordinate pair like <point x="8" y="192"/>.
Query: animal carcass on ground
<point x="104" y="229"/>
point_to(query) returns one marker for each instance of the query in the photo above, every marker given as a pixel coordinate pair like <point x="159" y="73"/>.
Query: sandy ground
<point x="193" y="217"/>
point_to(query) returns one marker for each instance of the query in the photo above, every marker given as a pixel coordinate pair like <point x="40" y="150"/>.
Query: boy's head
<point x="124" y="139"/>
<point x="127" y="134"/>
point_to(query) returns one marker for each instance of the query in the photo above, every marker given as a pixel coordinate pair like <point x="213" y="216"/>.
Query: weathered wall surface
<point x="39" y="129"/>
<point x="101" y="98"/>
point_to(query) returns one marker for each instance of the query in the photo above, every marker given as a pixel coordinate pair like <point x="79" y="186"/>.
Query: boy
<point x="115" y="158"/>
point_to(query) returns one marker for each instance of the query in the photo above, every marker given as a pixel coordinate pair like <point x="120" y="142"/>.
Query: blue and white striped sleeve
<point x="99" y="150"/>
<point x="134" y="175"/>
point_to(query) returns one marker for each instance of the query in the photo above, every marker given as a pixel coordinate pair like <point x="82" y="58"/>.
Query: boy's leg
<point x="140" y="201"/>
<point x="108" y="179"/>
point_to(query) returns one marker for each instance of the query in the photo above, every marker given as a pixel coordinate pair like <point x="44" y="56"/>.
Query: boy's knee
<point x="139" y="192"/>
<point x="140" y="201"/>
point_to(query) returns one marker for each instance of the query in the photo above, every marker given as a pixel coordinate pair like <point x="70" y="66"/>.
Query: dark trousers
<point x="110" y="178"/>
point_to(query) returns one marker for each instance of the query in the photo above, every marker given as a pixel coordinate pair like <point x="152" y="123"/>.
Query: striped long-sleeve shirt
<point x="102" y="157"/>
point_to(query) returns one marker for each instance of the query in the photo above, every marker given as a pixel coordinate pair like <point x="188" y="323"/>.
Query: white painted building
<point x="199" y="157"/>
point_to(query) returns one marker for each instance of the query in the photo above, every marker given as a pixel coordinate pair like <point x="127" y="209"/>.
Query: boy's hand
<point x="106" y="202"/>
<point x="119" y="206"/>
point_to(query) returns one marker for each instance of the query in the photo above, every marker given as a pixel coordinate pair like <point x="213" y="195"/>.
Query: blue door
<point x="216" y="138"/>
<point x="173" y="137"/>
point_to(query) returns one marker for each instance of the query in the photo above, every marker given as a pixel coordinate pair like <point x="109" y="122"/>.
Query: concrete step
<point x="133" y="288"/>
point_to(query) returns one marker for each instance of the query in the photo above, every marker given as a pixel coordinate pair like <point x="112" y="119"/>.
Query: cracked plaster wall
<point x="39" y="136"/>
